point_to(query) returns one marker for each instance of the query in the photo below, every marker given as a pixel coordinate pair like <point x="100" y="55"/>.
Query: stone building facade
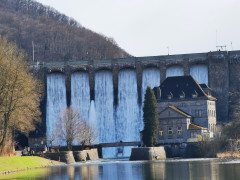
<point x="186" y="109"/>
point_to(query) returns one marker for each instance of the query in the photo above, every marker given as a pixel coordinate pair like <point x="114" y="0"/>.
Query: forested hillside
<point x="55" y="36"/>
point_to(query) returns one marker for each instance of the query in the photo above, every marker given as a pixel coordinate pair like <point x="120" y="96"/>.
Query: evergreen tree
<point x="150" y="118"/>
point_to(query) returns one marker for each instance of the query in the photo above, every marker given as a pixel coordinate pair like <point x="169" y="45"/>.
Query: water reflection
<point x="88" y="172"/>
<point x="201" y="169"/>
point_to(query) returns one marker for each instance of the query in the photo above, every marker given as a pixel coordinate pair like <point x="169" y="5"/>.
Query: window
<point x="179" y="130"/>
<point x="195" y="94"/>
<point x="170" y="131"/>
<point x="182" y="95"/>
<point x="160" y="131"/>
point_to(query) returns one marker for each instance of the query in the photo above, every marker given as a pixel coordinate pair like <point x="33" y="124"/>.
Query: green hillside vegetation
<point x="10" y="164"/>
<point x="55" y="36"/>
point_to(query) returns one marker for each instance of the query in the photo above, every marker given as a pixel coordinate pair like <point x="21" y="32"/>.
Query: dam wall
<point x="109" y="93"/>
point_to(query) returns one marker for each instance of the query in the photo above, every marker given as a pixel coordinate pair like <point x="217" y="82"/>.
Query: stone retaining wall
<point x="148" y="153"/>
<point x="65" y="156"/>
<point x="85" y="155"/>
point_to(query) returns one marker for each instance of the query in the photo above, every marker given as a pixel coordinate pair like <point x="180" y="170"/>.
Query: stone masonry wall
<point x="223" y="74"/>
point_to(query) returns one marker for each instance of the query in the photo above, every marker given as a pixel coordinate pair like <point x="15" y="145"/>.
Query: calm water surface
<point x="209" y="169"/>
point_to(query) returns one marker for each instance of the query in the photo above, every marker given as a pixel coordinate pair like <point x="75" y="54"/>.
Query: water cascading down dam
<point x="110" y="96"/>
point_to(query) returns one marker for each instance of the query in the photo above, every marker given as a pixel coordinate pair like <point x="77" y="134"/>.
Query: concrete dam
<point x="109" y="93"/>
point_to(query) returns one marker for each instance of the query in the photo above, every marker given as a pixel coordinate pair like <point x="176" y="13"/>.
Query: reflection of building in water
<point x="215" y="171"/>
<point x="89" y="172"/>
<point x="157" y="170"/>
<point x="176" y="170"/>
<point x="199" y="170"/>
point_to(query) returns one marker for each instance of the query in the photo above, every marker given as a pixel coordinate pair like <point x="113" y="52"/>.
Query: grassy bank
<point x="11" y="164"/>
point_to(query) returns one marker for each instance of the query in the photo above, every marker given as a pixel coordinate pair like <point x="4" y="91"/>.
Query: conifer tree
<point x="150" y="118"/>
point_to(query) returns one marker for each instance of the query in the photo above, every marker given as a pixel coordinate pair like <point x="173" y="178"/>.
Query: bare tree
<point x="86" y="135"/>
<point x="68" y="125"/>
<point x="52" y="138"/>
<point x="19" y="95"/>
<point x="71" y="127"/>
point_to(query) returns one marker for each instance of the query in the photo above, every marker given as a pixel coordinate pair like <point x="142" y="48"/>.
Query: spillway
<point x="104" y="98"/>
<point x="200" y="73"/>
<point x="56" y="102"/>
<point x="174" y="71"/>
<point x="111" y="122"/>
<point x="127" y="117"/>
<point x="80" y="93"/>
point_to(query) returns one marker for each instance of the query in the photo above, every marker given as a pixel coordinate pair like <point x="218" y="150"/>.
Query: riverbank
<point x="228" y="155"/>
<point x="12" y="164"/>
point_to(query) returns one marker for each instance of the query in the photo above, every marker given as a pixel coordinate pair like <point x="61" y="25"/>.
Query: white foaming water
<point x="150" y="77"/>
<point x="80" y="93"/>
<point x="56" y="103"/>
<point x="174" y="71"/>
<point x="92" y="121"/>
<point x="200" y="73"/>
<point x="104" y="99"/>
<point x="128" y="121"/>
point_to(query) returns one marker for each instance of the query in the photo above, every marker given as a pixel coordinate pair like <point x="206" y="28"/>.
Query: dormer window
<point x="170" y="95"/>
<point x="182" y="95"/>
<point x="195" y="94"/>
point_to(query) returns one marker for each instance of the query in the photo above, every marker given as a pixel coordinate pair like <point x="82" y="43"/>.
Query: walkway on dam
<point x="119" y="144"/>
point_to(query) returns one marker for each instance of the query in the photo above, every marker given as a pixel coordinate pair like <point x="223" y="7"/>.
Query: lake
<point x="116" y="169"/>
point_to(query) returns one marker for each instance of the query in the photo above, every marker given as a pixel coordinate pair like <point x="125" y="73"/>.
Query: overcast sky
<point x="148" y="27"/>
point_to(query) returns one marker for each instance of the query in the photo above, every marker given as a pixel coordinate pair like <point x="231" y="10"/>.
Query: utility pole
<point x="168" y="49"/>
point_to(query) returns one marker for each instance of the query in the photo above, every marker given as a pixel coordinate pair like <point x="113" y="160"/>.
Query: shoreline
<point x="228" y="154"/>
<point x="24" y="163"/>
<point x="52" y="163"/>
